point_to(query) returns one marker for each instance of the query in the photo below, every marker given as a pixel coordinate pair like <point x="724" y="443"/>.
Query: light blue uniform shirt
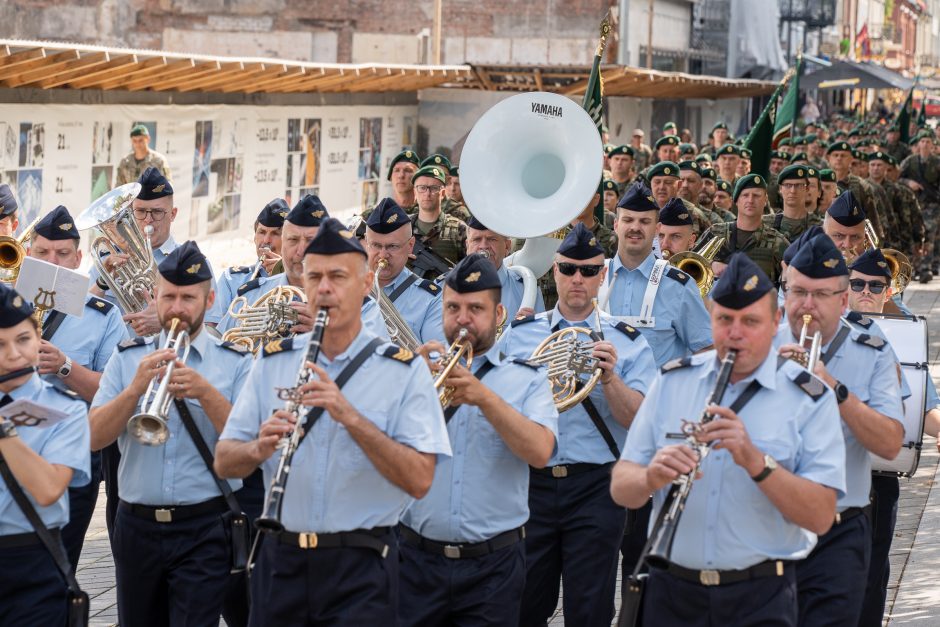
<point x="231" y="280"/>
<point x="728" y="523"/>
<point x="578" y="438"/>
<point x="871" y="374"/>
<point x="512" y="291"/>
<point x="90" y="340"/>
<point x="483" y="489"/>
<point x="333" y="485"/>
<point x="682" y="322"/>
<point x="67" y="443"/>
<point x="420" y="306"/>
<point x="174" y="473"/>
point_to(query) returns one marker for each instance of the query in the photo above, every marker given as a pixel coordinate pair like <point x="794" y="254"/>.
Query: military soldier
<point x="664" y="180"/>
<point x="906" y="232"/>
<point x="370" y="454"/>
<point x="845" y="225"/>
<point x="621" y="159"/>
<point x="728" y="158"/>
<point x="829" y="187"/>
<point x="717" y="138"/>
<point x="894" y="146"/>
<point x="724" y="199"/>
<point x="452" y="188"/>
<point x="642" y="153"/>
<point x="793" y="219"/>
<point x="667" y="149"/>
<point x="469" y="563"/>
<point x="449" y="206"/>
<point x="689" y="188"/>
<point x="140" y="158"/>
<point x="768" y="485"/>
<point x="784" y="146"/>
<point x="748" y="234"/>
<point x="840" y="159"/>
<point x="400" y="172"/>
<point x="813" y="193"/>
<point x="445" y="235"/>
<point x="908" y="199"/>
<point x="816" y="151"/>
<point x="610" y="199"/>
<point x="675" y="229"/>
<point x="744" y="163"/>
<point x="267" y="242"/>
<point x="921" y="173"/>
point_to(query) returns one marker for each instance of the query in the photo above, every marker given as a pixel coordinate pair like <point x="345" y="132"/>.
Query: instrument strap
<point x="836" y="344"/>
<point x="315" y="412"/>
<point x="603" y="293"/>
<point x="479" y="374"/>
<point x="599" y="423"/>
<point x="206" y="454"/>
<point x="646" y="319"/>
<point x="401" y="288"/>
<point x="52" y="323"/>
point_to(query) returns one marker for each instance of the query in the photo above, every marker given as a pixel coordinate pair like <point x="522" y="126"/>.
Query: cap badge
<point x="473" y="277"/>
<point x="882" y="264"/>
<point x="159" y="188"/>
<point x="437" y="160"/>
<point x="408" y="154"/>
<point x="751" y="283"/>
<point x="666" y="170"/>
<point x="317" y="214"/>
<point x="346" y="234"/>
<point x="683" y="216"/>
<point x="283" y="214"/>
<point x="65" y="226"/>
<point x="831" y="263"/>
<point x="17" y="301"/>
<point x="391" y="219"/>
<point x="435" y="170"/>
<point x="799" y="172"/>
<point x="193" y="269"/>
<point x="592" y="241"/>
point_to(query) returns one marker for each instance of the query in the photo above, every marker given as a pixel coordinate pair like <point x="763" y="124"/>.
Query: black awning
<point x="855" y="75"/>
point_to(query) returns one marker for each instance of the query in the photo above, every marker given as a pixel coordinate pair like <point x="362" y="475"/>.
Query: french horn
<point x="268" y="318"/>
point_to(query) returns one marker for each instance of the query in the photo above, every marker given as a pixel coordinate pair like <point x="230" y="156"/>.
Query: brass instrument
<point x="259" y="265"/>
<point x="698" y="264"/>
<point x="810" y="358"/>
<point x="133" y="281"/>
<point x="902" y="271"/>
<point x="572" y="371"/>
<point x="458" y="349"/>
<point x="149" y="427"/>
<point x="12" y="253"/>
<point x="268" y="318"/>
<point x="398" y="330"/>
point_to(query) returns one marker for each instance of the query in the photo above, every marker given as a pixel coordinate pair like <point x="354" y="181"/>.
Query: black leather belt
<point x="175" y="513"/>
<point x="462" y="551"/>
<point x="851" y="513"/>
<point x="19" y="540"/>
<point x="770" y="568"/>
<point x="356" y="539"/>
<point x="568" y="470"/>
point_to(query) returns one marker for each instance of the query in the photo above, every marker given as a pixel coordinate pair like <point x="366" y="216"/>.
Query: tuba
<point x="539" y="154"/>
<point x="12" y="253"/>
<point x="458" y="349"/>
<point x="698" y="264"/>
<point x="398" y="330"/>
<point x="149" y="427"/>
<point x="132" y="282"/>
<point x="268" y="318"/>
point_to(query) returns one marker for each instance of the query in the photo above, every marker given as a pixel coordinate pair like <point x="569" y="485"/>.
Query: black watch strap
<point x="842" y="392"/>
<point x="7" y="429"/>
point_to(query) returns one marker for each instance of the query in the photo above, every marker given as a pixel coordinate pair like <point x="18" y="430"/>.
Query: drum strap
<point x="646" y="319"/>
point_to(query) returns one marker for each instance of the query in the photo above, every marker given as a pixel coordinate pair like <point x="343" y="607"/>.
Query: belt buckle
<point x="709" y="577"/>
<point x="163" y="515"/>
<point x="451" y="551"/>
<point x="559" y="472"/>
<point x="307" y="540"/>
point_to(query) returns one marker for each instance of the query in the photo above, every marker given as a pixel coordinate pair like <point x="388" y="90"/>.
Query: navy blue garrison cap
<point x="580" y="243"/>
<point x="638" y="197"/>
<point x="273" y="214"/>
<point x="334" y="238"/>
<point x="57" y="224"/>
<point x="153" y="185"/>
<point x="818" y="258"/>
<point x="387" y="217"/>
<point x="794" y="246"/>
<point x="7" y="201"/>
<point x="308" y="211"/>
<point x="873" y="263"/>
<point x="675" y="213"/>
<point x="13" y="307"/>
<point x="741" y="284"/>
<point x="185" y="266"/>
<point x="846" y="210"/>
<point x="474" y="273"/>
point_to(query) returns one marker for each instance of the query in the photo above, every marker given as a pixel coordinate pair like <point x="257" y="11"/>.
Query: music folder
<point x="53" y="287"/>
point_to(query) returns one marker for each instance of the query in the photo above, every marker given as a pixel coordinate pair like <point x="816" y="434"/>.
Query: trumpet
<point x="268" y="318"/>
<point x="810" y="358"/>
<point x="260" y="265"/>
<point x="698" y="264"/>
<point x="398" y="330"/>
<point x="12" y="253"/>
<point x="149" y="427"/>
<point x="459" y="348"/>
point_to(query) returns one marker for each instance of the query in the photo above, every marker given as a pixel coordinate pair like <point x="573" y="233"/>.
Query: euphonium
<point x="458" y="349"/>
<point x="398" y="330"/>
<point x="572" y="371"/>
<point x="268" y="318"/>
<point x="810" y="358"/>
<point x="149" y="427"/>
<point x="12" y="253"/>
<point x="698" y="264"/>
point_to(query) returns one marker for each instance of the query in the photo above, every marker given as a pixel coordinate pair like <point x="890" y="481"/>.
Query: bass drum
<point x="908" y="337"/>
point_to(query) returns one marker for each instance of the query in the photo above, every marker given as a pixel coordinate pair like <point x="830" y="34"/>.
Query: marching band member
<point x="372" y="452"/>
<point x="267" y="241"/>
<point x="769" y="483"/>
<point x="675" y="228"/>
<point x="845" y="225"/>
<point x="171" y="544"/>
<point x="864" y="376"/>
<point x="73" y="353"/>
<point x="8" y="207"/>
<point x="575" y="529"/>
<point x="44" y="462"/>
<point x="463" y="558"/>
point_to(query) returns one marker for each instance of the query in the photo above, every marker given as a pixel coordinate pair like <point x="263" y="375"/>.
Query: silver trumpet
<point x="398" y="330"/>
<point x="149" y="427"/>
<point x="258" y="266"/>
<point x="810" y="358"/>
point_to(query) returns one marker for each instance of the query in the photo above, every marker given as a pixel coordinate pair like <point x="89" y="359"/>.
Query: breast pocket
<point x="351" y="455"/>
<point x="490" y="443"/>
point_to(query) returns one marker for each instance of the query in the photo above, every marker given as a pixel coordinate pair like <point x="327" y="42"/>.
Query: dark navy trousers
<point x="33" y="590"/>
<point x="110" y="460"/>
<point x="885" y="491"/>
<point x="82" y="503"/>
<point x="235" y="607"/>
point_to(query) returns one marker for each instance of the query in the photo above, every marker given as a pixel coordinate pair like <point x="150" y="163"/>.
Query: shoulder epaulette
<point x="397" y="353"/>
<point x="248" y="286"/>
<point x="872" y="341"/>
<point x="132" y="342"/>
<point x="677" y="274"/>
<point x="70" y="394"/>
<point x="810" y="384"/>
<point x="239" y="269"/>
<point x="99" y="304"/>
<point x="522" y="320"/>
<point x="429" y="286"/>
<point x="676" y="364"/>
<point x="235" y="348"/>
<point x="277" y="346"/>
<point x="627" y="330"/>
<point x="858" y="319"/>
<point x="525" y="362"/>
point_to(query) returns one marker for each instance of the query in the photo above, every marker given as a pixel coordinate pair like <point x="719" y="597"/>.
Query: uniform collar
<point x="28" y="389"/>
<point x="363" y="338"/>
<point x="198" y="344"/>
<point x="645" y="268"/>
<point x="555" y="318"/>
<point x="766" y="373"/>
<point x="493" y="355"/>
<point x="168" y="246"/>
<point x="404" y="274"/>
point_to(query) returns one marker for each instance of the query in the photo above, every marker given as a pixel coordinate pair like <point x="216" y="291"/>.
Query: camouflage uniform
<point x="410" y="210"/>
<point x="889" y="219"/>
<point x="642" y="157"/>
<point x="904" y="198"/>
<point x="907" y="232"/>
<point x="622" y="187"/>
<point x="819" y="163"/>
<point x="453" y="208"/>
<point x="130" y="169"/>
<point x="788" y="227"/>
<point x="863" y="193"/>
<point x="764" y="246"/>
<point x="607" y="240"/>
<point x="700" y="219"/>
<point x="928" y="175"/>
<point x="773" y="193"/>
<point x="447" y="237"/>
<point x="899" y="151"/>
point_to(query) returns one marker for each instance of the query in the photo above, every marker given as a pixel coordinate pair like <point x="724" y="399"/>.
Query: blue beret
<point x="438" y="160"/>
<point x="473" y="273"/>
<point x="666" y="140"/>
<point x="273" y="214"/>
<point x="405" y="155"/>
<point x="186" y="265"/>
<point x="675" y="213"/>
<point x="7" y="201"/>
<point x="57" y="224"/>
<point x="308" y="211"/>
<point x="638" y="197"/>
<point x="387" y="217"/>
<point x="748" y="181"/>
<point x="873" y="263"/>
<point x="741" y="284"/>
<point x="795" y="171"/>
<point x="818" y="258"/>
<point x="153" y="185"/>
<point x="580" y="243"/>
<point x="794" y="246"/>
<point x="621" y="150"/>
<point x="846" y="211"/>
<point x="334" y="238"/>
<point x="663" y="168"/>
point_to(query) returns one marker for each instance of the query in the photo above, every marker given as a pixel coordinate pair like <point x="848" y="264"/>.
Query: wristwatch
<point x="66" y="368"/>
<point x="7" y="429"/>
<point x="841" y="391"/>
<point x="770" y="465"/>
<point x="101" y="283"/>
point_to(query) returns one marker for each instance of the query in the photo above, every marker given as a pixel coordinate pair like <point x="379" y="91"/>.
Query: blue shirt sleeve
<point x="419" y="421"/>
<point x="70" y="444"/>
<point x="821" y="457"/>
<point x="245" y="419"/>
<point x="694" y="326"/>
<point x="640" y="445"/>
<point x="638" y="365"/>
<point x="115" y="332"/>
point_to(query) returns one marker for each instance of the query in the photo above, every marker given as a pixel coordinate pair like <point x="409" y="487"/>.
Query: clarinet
<point x="270" y="520"/>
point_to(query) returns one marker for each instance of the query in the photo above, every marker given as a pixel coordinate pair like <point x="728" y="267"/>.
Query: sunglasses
<point x="875" y="287"/>
<point x="588" y="270"/>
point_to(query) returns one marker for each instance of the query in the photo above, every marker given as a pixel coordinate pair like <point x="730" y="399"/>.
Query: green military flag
<point x="762" y="137"/>
<point x="922" y="114"/>
<point x="903" y="121"/>
<point x="593" y="101"/>
<point x="789" y="109"/>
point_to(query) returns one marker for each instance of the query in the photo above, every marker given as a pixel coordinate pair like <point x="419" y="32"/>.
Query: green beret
<point x="405" y="155"/>
<point x="454" y="171"/>
<point x="922" y="134"/>
<point x="669" y="125"/>
<point x="746" y="153"/>
<point x="709" y="173"/>
<point x="795" y="171"/>
<point x="139" y="129"/>
<point x="878" y="156"/>
<point x="839" y="146"/>
<point x="858" y="154"/>
<point x="684" y="148"/>
<point x="812" y="172"/>
<point x="622" y="150"/>
<point x="779" y="154"/>
<point x="854" y="132"/>
<point x="666" y="140"/>
<point x="722" y="185"/>
<point x="691" y="166"/>
<point x="800" y="156"/>
<point x="608" y="186"/>
<point x="436" y="159"/>
<point x="434" y="171"/>
<point x="728" y="149"/>
<point x="704" y="158"/>
<point x="608" y="148"/>
<point x="797" y="140"/>
<point x="863" y="143"/>
<point x="827" y="176"/>
<point x="747" y="182"/>
<point x="663" y="168"/>
<point x="784" y="142"/>
<point x="809" y="139"/>
<point x="719" y="125"/>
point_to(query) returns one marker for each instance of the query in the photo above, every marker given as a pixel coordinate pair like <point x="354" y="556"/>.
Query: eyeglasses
<point x="389" y="248"/>
<point x="587" y="270"/>
<point x="801" y="294"/>
<point x="155" y="214"/>
<point x="875" y="287"/>
<point x="424" y="189"/>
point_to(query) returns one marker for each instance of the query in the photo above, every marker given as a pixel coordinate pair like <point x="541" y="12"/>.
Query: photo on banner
<point x="303" y="158"/>
<point x="102" y="159"/>
<point x="226" y="174"/>
<point x="202" y="155"/>
<point x="370" y="159"/>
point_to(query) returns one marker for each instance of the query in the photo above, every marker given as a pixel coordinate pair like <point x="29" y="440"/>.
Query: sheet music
<point x="40" y="281"/>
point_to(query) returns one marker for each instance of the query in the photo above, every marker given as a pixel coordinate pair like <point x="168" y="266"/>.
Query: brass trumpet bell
<point x="460" y="348"/>
<point x="698" y="264"/>
<point x="13" y="252"/>
<point x="902" y="271"/>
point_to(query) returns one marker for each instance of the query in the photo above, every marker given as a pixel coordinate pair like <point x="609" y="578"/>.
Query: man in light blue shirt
<point x="171" y="547"/>
<point x="463" y="558"/>
<point x="863" y="372"/>
<point x="769" y="484"/>
<point x="575" y="529"/>
<point x="370" y="452"/>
